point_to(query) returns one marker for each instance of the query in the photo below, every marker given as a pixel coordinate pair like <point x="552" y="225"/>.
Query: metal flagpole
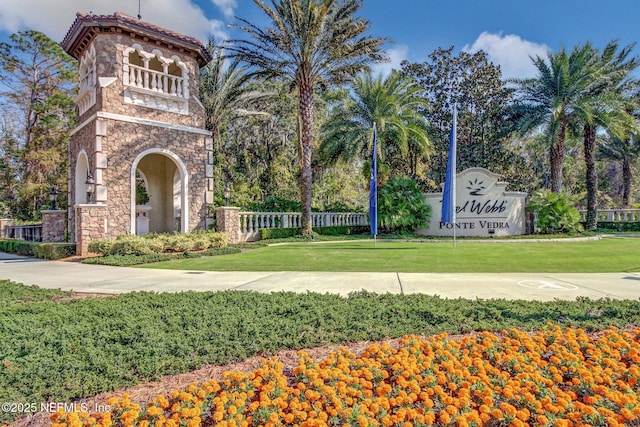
<point x="449" y="191"/>
<point x="454" y="136"/>
<point x="373" y="191"/>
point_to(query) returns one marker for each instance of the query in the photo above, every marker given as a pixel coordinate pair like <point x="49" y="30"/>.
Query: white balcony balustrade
<point x="252" y="222"/>
<point x="615" y="215"/>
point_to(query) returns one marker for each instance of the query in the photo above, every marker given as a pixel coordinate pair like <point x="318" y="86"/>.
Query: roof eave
<point x="85" y="22"/>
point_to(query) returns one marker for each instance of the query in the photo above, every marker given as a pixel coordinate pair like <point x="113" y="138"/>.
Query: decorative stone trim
<point x="140" y="121"/>
<point x="86" y="97"/>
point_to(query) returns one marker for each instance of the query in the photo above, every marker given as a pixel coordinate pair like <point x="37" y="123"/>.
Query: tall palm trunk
<point x="556" y="154"/>
<point x="306" y="132"/>
<point x="626" y="180"/>
<point x="589" y="132"/>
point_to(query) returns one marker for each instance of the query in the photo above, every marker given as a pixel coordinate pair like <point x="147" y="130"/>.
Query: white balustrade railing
<point x="156" y="81"/>
<point x="252" y="222"/>
<point x="615" y="215"/>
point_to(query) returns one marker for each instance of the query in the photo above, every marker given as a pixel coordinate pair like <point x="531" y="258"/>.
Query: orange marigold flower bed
<point x="551" y="378"/>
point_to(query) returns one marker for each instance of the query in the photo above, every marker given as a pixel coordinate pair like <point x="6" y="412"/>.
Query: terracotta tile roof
<point x="87" y="25"/>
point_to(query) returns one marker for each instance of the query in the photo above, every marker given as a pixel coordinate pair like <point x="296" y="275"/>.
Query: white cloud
<point x="226" y="6"/>
<point x="218" y="30"/>
<point x="396" y="55"/>
<point x="54" y="18"/>
<point x="511" y="52"/>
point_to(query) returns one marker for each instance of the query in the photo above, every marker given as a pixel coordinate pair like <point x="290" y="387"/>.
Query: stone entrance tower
<point x="140" y="130"/>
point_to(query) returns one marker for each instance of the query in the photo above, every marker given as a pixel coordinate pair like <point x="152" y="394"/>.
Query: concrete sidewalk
<point x="72" y="276"/>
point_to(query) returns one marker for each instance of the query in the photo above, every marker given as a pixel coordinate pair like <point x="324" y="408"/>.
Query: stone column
<point x="4" y="223"/>
<point x="53" y="225"/>
<point x="91" y="224"/>
<point x="228" y="221"/>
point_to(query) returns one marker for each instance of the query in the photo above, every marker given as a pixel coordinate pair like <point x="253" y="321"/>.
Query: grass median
<point x="615" y="254"/>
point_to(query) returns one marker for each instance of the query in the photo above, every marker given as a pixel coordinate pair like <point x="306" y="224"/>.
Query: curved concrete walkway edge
<point x="77" y="277"/>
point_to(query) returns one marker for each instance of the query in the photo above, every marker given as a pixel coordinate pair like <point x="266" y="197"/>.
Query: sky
<point x="509" y="31"/>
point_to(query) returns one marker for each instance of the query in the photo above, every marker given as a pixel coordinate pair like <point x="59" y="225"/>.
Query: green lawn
<point x="613" y="254"/>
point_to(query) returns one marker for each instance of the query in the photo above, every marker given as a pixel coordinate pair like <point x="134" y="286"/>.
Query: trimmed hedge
<point x="619" y="226"/>
<point x="55" y="250"/>
<point x="338" y="230"/>
<point x="45" y="250"/>
<point x="278" y="233"/>
<point x="8" y="246"/>
<point x="129" y="260"/>
<point x="342" y="230"/>
<point x="154" y="243"/>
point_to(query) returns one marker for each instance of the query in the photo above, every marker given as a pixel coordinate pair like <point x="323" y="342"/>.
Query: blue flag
<point x="449" y="193"/>
<point x="373" y="189"/>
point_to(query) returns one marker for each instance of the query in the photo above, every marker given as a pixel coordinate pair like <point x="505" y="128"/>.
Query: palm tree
<point x="551" y="100"/>
<point x="225" y="92"/>
<point x="604" y="105"/>
<point x="312" y="44"/>
<point x="391" y="103"/>
<point x="625" y="150"/>
<point x="226" y="95"/>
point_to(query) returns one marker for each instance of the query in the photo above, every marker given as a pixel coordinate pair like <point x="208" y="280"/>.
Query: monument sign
<point x="483" y="207"/>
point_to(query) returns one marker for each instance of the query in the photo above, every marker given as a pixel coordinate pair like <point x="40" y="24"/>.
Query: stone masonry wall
<point x="53" y="225"/>
<point x="83" y="139"/>
<point x="112" y="151"/>
<point x="125" y="141"/>
<point x="4" y="223"/>
<point x="92" y="224"/>
<point x="228" y="221"/>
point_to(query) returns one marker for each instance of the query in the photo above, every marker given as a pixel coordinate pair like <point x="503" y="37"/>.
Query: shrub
<point x="177" y="243"/>
<point x="401" y="206"/>
<point x="8" y="246"/>
<point x="100" y="246"/>
<point x="216" y="240"/>
<point x="24" y="247"/>
<point x="338" y="230"/>
<point x="555" y="213"/>
<point x="618" y="226"/>
<point x="54" y="250"/>
<point x="38" y="249"/>
<point x="342" y="230"/>
<point x="200" y="243"/>
<point x="128" y="260"/>
<point x="198" y="240"/>
<point x="278" y="233"/>
<point x="135" y="245"/>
